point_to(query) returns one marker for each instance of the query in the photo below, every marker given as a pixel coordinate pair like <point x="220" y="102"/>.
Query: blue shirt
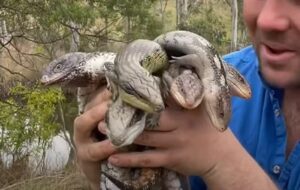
<point x="259" y="125"/>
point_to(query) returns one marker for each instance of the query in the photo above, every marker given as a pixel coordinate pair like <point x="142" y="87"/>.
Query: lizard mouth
<point x="54" y="79"/>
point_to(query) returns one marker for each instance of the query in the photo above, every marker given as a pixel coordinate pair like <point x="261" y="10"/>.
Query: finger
<point x="149" y="158"/>
<point x="102" y="127"/>
<point x="156" y="139"/>
<point x="96" y="151"/>
<point x="91" y="171"/>
<point x="98" y="97"/>
<point x="85" y="123"/>
<point x="170" y="119"/>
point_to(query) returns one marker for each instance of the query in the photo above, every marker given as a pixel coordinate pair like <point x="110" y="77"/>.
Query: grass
<point x="19" y="177"/>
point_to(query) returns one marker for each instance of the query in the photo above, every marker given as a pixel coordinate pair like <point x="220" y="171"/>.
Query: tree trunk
<point x="234" y="12"/>
<point x="177" y="13"/>
<point x="65" y="130"/>
<point x="75" y="41"/>
<point x="74" y="47"/>
<point x="194" y="4"/>
<point x="5" y="37"/>
<point x="181" y="12"/>
<point x="162" y="10"/>
<point x="127" y="27"/>
<point x="105" y="39"/>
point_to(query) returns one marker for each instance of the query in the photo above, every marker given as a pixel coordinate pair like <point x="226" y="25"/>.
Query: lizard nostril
<point x="44" y="79"/>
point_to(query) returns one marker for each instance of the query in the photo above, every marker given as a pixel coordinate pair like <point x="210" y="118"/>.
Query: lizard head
<point x="65" y="69"/>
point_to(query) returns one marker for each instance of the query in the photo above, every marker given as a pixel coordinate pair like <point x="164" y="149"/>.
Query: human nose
<point x="273" y="16"/>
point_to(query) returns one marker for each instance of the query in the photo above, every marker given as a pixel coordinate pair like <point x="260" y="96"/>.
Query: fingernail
<point x="113" y="160"/>
<point x="102" y="127"/>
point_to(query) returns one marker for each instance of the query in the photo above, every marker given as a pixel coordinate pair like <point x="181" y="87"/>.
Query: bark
<point x="128" y="28"/>
<point x="105" y="39"/>
<point x="75" y="41"/>
<point x="162" y="10"/>
<point x="67" y="137"/>
<point x="234" y="13"/>
<point x="181" y="12"/>
<point x="5" y="37"/>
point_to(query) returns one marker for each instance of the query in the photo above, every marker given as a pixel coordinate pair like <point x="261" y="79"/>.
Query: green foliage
<point x="130" y="8"/>
<point x="147" y="27"/>
<point x="48" y="22"/>
<point x="140" y="19"/>
<point x="28" y="115"/>
<point x="243" y="38"/>
<point x="206" y="23"/>
<point x="47" y="12"/>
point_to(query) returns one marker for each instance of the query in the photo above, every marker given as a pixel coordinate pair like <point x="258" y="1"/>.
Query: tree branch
<point x="14" y="60"/>
<point x="47" y="42"/>
<point x="64" y="128"/>
<point x="13" y="72"/>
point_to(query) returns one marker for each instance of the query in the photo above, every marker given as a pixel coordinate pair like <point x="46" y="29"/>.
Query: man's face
<point x="274" y="27"/>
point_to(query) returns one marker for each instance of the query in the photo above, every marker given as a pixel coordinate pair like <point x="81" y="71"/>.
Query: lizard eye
<point x="58" y="68"/>
<point x="82" y="63"/>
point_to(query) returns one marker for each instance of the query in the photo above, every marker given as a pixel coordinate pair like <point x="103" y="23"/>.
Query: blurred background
<point x="36" y="151"/>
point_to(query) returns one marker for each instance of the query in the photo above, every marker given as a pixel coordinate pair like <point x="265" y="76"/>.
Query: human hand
<point x="89" y="150"/>
<point x="185" y="141"/>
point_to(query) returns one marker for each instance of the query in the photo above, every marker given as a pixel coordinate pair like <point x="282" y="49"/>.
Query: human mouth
<point x="276" y="55"/>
